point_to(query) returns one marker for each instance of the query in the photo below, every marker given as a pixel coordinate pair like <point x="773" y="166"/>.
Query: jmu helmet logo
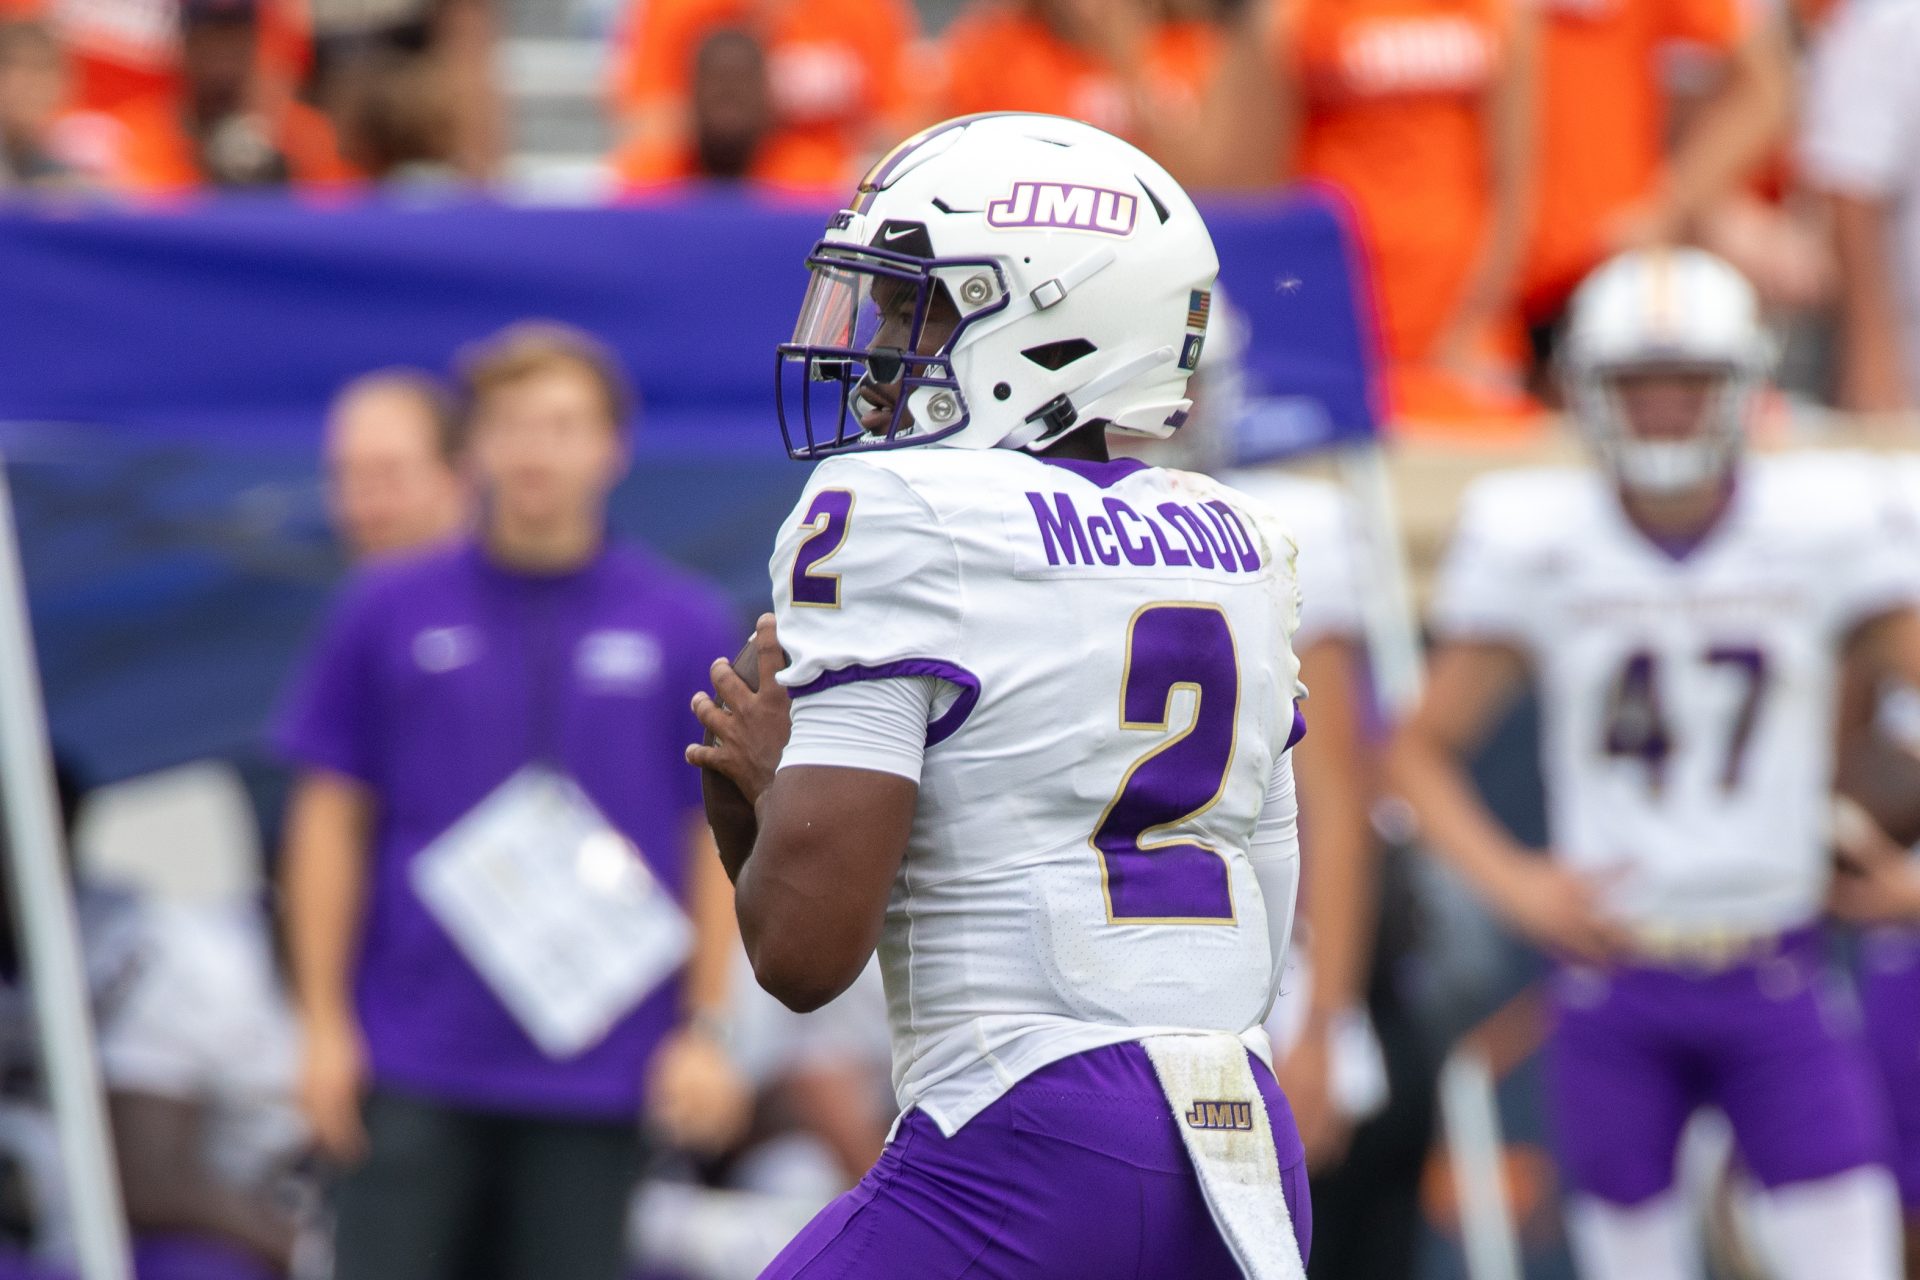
<point x="1066" y="205"/>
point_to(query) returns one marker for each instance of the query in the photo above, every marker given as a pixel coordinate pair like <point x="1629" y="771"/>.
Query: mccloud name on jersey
<point x="1174" y="535"/>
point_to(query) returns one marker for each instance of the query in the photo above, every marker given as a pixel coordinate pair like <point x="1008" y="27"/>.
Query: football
<point x="1883" y="777"/>
<point x="728" y="812"/>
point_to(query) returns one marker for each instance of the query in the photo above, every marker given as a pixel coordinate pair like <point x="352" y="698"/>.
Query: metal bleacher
<point x="553" y="65"/>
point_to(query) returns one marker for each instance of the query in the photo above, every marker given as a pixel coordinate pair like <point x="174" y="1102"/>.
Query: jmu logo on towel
<point x="1221" y="1115"/>
<point x="1068" y="205"/>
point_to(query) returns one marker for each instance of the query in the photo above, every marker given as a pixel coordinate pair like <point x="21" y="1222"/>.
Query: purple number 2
<point x="827" y="520"/>
<point x="1151" y="875"/>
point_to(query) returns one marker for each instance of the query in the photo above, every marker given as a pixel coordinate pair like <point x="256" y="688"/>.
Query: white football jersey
<point x="1115" y="638"/>
<point x="1687" y="698"/>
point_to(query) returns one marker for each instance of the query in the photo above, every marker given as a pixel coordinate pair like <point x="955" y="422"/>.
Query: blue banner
<point x="163" y="380"/>
<point x="241" y="317"/>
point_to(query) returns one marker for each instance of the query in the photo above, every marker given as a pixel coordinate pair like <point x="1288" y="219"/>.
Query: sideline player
<point x="1687" y="613"/>
<point x="1880" y="766"/>
<point x="1878" y="889"/>
<point x="1041" y="708"/>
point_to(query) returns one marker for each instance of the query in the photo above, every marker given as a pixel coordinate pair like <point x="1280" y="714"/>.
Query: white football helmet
<point x="1665" y="309"/>
<point x="999" y="279"/>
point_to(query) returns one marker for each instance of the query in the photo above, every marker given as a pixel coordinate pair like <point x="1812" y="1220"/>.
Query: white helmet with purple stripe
<point x="1674" y="313"/>
<point x="999" y="280"/>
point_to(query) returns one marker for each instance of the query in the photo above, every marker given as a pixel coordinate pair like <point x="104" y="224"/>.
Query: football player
<point x="1879" y="888"/>
<point x="1686" y="613"/>
<point x="1040" y="704"/>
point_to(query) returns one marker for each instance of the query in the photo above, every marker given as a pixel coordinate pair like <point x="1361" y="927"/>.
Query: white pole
<point x="49" y="933"/>
<point x="1469" y="1111"/>
<point x="1393" y="626"/>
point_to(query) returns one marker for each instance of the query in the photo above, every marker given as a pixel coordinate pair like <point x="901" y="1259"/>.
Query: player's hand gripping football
<point x="747" y="725"/>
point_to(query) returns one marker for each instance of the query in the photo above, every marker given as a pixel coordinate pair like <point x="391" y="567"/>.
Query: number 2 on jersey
<point x="1637" y="724"/>
<point x="827" y="531"/>
<point x="1152" y="877"/>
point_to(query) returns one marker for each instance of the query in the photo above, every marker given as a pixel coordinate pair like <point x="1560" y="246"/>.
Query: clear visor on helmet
<point x="869" y="364"/>
<point x="846" y="305"/>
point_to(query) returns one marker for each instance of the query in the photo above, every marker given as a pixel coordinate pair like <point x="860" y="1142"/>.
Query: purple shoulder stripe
<point x="941" y="729"/>
<point x="1299" y="729"/>
<point x="1104" y="474"/>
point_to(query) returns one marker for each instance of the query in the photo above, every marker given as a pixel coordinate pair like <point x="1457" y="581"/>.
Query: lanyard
<point x="546" y="680"/>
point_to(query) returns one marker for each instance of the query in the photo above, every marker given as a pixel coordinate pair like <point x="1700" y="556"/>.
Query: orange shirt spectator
<point x="730" y="122"/>
<point x="1415" y="110"/>
<point x="1607" y="181"/>
<point x="1162" y="75"/>
<point x="1008" y="57"/>
<point x="836" y="70"/>
<point x="123" y="51"/>
<point x="155" y="154"/>
<point x="225" y="126"/>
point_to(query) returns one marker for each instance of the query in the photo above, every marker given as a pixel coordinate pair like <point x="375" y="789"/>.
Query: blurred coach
<point x="489" y="981"/>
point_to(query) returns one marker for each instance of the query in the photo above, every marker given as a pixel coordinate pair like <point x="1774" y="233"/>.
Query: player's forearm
<point x="1874" y="374"/>
<point x="1341" y="881"/>
<point x="716" y="937"/>
<point x="1734" y="130"/>
<point x="1335" y="779"/>
<point x="1431" y="776"/>
<point x="325" y="873"/>
<point x="1510" y="152"/>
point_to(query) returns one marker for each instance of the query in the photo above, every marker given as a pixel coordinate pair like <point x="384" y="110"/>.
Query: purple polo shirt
<point x="436" y="679"/>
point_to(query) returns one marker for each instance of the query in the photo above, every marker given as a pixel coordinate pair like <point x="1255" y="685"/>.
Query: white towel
<point x="1223" y="1121"/>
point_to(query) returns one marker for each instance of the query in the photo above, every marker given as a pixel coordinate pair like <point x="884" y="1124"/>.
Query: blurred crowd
<point x="1493" y="150"/>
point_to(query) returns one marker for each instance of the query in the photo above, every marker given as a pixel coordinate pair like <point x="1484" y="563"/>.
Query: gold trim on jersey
<point x="1166" y="709"/>
<point x="814" y="528"/>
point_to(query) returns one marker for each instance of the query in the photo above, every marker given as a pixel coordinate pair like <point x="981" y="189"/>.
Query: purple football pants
<point x="1637" y="1050"/>
<point x="184" y="1257"/>
<point x="1890" y="1001"/>
<point x="1077" y="1173"/>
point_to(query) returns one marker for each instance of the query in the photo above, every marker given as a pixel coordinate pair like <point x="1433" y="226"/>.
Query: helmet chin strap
<point x="1057" y="417"/>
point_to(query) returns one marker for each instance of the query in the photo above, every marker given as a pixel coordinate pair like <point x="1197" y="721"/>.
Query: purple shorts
<point x="1077" y="1172"/>
<point x="1890" y="1001"/>
<point x="1635" y="1051"/>
<point x="15" y="1266"/>
<point x="184" y="1257"/>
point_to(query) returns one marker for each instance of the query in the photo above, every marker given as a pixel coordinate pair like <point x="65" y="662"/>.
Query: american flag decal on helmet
<point x="1199" y="304"/>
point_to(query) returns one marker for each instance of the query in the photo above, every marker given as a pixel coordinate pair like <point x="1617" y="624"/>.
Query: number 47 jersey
<point x="1687" y="695"/>
<point x="1117" y="694"/>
